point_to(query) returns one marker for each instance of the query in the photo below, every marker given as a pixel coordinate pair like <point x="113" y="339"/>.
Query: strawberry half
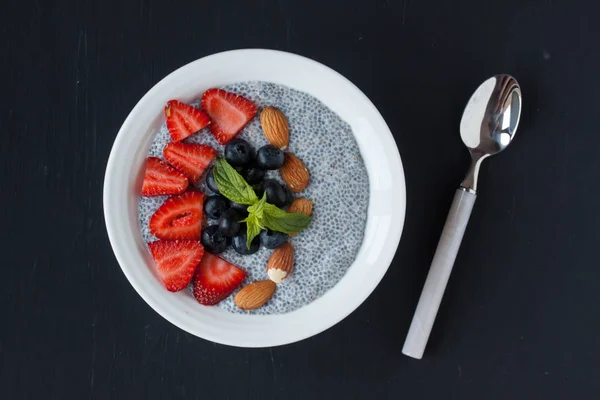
<point x="180" y="217"/>
<point x="215" y="279"/>
<point x="161" y="179"/>
<point x="191" y="159"/>
<point x="229" y="113"/>
<point x="176" y="261"/>
<point x="184" y="120"/>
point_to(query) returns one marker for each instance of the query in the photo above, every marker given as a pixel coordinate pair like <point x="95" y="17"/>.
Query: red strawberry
<point x="229" y="113"/>
<point x="180" y="217"/>
<point x="215" y="279"/>
<point x="176" y="261"/>
<point x="162" y="179"/>
<point x="184" y="120"/>
<point x="191" y="159"/>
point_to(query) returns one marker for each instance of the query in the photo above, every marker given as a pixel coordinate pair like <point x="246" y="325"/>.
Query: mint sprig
<point x="261" y="214"/>
<point x="232" y="185"/>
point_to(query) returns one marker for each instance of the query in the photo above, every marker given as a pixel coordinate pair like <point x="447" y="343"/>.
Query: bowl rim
<point x="385" y="219"/>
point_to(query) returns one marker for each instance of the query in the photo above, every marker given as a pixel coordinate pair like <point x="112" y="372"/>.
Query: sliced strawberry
<point x="184" y="120"/>
<point x="176" y="261"/>
<point x="215" y="279"/>
<point x="229" y="113"/>
<point x="162" y="179"/>
<point x="191" y="159"/>
<point x="179" y="217"/>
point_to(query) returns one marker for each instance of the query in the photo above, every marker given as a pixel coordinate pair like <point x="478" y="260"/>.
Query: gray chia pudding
<point x="339" y="189"/>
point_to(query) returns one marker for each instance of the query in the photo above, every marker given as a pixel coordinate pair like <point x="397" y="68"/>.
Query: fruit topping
<point x="179" y="217"/>
<point x="176" y="261"/>
<point x="229" y="113"/>
<point x="190" y="159"/>
<point x="215" y="279"/>
<point x="269" y="157"/>
<point x="213" y="240"/>
<point x="161" y="179"/>
<point x="272" y="239"/>
<point x="239" y="152"/>
<point x="215" y="205"/>
<point x="184" y="120"/>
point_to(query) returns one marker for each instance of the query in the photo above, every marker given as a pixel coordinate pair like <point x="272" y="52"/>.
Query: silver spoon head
<point x="491" y="117"/>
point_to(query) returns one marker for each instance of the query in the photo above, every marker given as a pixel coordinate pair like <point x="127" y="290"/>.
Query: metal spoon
<point x="488" y="126"/>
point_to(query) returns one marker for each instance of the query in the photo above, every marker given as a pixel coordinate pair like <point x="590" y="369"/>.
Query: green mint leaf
<point x="258" y="207"/>
<point x="253" y="227"/>
<point x="281" y="221"/>
<point x="232" y="185"/>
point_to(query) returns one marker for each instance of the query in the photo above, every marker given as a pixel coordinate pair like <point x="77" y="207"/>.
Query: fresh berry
<point x="191" y="159"/>
<point x="213" y="240"/>
<point x="214" y="206"/>
<point x="162" y="179"/>
<point x="180" y="217"/>
<point x="269" y="157"/>
<point x="253" y="174"/>
<point x="239" y="243"/>
<point x="184" y="120"/>
<point x="289" y="196"/>
<point x="241" y="209"/>
<point x="229" y="223"/>
<point x="275" y="192"/>
<point x="176" y="261"/>
<point x="229" y="113"/>
<point x="215" y="279"/>
<point x="211" y="182"/>
<point x="272" y="239"/>
<point x="238" y="152"/>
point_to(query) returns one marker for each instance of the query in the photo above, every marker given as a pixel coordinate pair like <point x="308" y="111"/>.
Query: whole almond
<point x="255" y="294"/>
<point x="294" y="173"/>
<point x="301" y="205"/>
<point x="281" y="263"/>
<point x="275" y="127"/>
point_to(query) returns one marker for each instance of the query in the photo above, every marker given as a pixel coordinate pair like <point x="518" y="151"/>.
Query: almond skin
<point x="294" y="173"/>
<point x="275" y="127"/>
<point x="255" y="294"/>
<point x="281" y="263"/>
<point x="301" y="205"/>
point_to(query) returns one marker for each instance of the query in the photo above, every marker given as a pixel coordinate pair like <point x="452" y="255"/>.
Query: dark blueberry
<point x="210" y="181"/>
<point x="213" y="240"/>
<point x="242" y="209"/>
<point x="259" y="189"/>
<point x="239" y="243"/>
<point x="214" y="206"/>
<point x="289" y="196"/>
<point x="238" y="152"/>
<point x="272" y="239"/>
<point x="229" y="223"/>
<point x="275" y="192"/>
<point x="269" y="157"/>
<point x="254" y="174"/>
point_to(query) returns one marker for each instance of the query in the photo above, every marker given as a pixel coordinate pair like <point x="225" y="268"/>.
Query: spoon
<point x="488" y="126"/>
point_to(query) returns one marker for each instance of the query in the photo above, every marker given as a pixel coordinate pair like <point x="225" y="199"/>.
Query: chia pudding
<point x="339" y="189"/>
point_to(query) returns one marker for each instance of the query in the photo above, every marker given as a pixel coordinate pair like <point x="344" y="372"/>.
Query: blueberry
<point x="275" y="192"/>
<point x="238" y="152"/>
<point x="214" y="206"/>
<point x="210" y="181"/>
<point x="253" y="174"/>
<point x="289" y="196"/>
<point x="259" y="189"/>
<point x="242" y="209"/>
<point x="269" y="157"/>
<point x="213" y="240"/>
<point x="272" y="239"/>
<point x="229" y="223"/>
<point x="239" y="243"/>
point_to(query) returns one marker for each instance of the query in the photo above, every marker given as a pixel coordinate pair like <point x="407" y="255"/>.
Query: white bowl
<point x="387" y="199"/>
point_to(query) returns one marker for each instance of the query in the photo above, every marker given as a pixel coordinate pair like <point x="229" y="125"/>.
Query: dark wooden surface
<point x="520" y="318"/>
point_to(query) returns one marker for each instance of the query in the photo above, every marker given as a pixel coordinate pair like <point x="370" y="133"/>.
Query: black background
<point x="520" y="317"/>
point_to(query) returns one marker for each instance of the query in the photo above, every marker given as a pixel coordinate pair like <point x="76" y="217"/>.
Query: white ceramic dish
<point x="387" y="198"/>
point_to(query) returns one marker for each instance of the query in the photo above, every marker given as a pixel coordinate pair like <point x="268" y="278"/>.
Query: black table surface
<point x="520" y="317"/>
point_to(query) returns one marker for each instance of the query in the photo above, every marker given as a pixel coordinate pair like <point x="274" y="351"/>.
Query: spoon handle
<point x="439" y="273"/>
